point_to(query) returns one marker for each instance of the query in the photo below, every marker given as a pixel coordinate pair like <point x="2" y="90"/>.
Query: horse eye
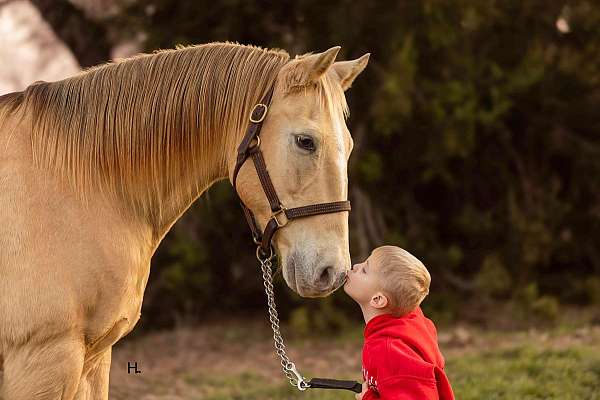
<point x="305" y="142"/>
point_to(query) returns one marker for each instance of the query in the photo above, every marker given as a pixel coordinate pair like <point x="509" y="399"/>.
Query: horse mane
<point x="9" y="102"/>
<point x="146" y="126"/>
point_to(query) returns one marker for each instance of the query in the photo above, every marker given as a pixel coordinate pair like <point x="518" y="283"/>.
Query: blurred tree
<point x="477" y="147"/>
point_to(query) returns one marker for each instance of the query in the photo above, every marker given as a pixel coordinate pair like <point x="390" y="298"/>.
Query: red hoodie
<point x="402" y="361"/>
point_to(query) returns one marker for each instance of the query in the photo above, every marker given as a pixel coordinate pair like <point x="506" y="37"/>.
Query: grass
<point x="216" y="363"/>
<point x="524" y="373"/>
<point x="527" y="373"/>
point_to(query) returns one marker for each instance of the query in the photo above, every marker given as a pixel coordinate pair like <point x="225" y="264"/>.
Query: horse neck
<point x="159" y="155"/>
<point x="215" y="168"/>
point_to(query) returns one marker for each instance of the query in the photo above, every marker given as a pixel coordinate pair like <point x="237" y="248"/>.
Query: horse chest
<point x="117" y="303"/>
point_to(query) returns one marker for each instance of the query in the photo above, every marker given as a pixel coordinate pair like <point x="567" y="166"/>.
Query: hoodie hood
<point x="413" y="329"/>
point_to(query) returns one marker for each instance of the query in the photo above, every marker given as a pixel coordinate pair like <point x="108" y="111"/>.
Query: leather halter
<point x="250" y="147"/>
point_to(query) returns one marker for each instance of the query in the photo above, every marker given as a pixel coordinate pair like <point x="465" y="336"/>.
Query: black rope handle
<point x="323" y="383"/>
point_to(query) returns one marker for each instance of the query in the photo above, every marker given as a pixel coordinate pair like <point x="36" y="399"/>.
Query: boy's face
<point x="363" y="281"/>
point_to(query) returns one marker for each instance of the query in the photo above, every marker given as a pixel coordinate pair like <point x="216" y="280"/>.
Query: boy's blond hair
<point x="404" y="279"/>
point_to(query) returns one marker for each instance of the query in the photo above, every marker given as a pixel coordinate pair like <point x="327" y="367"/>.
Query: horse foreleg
<point x="1" y="377"/>
<point x="1" y="374"/>
<point x="96" y="368"/>
<point x="94" y="382"/>
<point x="43" y="371"/>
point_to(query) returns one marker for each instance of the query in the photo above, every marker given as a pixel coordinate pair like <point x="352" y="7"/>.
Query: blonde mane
<point x="145" y="127"/>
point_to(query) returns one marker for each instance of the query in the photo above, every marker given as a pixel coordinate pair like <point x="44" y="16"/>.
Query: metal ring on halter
<point x="250" y="147"/>
<point x="261" y="259"/>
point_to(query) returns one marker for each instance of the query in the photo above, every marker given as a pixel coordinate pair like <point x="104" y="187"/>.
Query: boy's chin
<point x="347" y="291"/>
<point x="345" y="287"/>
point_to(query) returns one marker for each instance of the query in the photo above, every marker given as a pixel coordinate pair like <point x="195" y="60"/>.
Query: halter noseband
<point x="250" y="147"/>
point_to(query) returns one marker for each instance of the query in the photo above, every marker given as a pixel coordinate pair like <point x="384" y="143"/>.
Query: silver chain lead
<point x="289" y="369"/>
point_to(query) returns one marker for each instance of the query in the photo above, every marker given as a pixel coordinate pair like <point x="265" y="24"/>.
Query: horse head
<point x="306" y="145"/>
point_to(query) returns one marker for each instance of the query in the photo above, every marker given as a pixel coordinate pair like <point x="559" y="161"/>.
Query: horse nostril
<point x="325" y="277"/>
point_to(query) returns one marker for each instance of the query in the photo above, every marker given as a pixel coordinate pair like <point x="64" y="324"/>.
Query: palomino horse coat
<point x="95" y="169"/>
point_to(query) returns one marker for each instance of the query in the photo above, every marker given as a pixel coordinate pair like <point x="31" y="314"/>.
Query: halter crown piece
<point x="280" y="216"/>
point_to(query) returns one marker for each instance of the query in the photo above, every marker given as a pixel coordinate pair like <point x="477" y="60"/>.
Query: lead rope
<point x="289" y="368"/>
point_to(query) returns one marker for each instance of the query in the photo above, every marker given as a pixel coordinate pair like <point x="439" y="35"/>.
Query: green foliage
<point x="300" y="321"/>
<point x="478" y="145"/>
<point x="592" y="287"/>
<point x="317" y="318"/>
<point x="547" y="307"/>
<point x="371" y="167"/>
<point x="536" y="307"/>
<point x="493" y="278"/>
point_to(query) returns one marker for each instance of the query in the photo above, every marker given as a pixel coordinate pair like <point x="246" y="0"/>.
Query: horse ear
<point x="349" y="70"/>
<point x="317" y="64"/>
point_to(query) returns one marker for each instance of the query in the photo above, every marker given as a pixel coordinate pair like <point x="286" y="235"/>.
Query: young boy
<point x="401" y="359"/>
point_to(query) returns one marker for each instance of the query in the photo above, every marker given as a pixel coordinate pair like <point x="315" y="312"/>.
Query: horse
<point x="95" y="169"/>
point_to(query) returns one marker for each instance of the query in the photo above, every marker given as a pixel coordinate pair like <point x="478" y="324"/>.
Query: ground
<point x="234" y="360"/>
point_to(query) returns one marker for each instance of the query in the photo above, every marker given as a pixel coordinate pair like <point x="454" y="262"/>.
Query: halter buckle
<point x="281" y="210"/>
<point x="262" y="115"/>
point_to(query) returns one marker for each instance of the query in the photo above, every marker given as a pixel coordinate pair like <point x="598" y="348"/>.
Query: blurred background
<point x="477" y="148"/>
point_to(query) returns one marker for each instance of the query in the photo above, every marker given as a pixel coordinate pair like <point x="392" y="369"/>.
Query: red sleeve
<point x="408" y="388"/>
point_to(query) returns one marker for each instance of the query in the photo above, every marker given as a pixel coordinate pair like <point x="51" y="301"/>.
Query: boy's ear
<point x="379" y="300"/>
